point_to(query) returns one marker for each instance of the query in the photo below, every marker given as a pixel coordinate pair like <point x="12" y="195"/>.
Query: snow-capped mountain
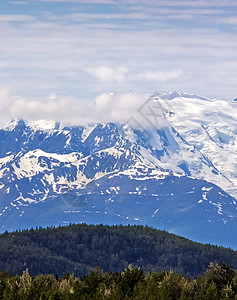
<point x="171" y="166"/>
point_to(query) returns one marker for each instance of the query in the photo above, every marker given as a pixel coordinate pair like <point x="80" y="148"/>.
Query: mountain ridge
<point x="79" y="248"/>
<point x="124" y="172"/>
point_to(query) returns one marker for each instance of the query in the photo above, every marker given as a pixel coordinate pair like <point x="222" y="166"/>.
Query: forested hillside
<point x="79" y="248"/>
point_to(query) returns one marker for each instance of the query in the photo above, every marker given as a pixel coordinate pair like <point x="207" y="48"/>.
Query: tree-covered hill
<point x="79" y="248"/>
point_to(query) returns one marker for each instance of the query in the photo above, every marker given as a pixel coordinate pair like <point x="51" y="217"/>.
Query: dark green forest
<point x="219" y="282"/>
<point x="77" y="249"/>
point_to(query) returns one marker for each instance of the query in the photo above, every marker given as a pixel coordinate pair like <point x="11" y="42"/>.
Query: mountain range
<point x="172" y="165"/>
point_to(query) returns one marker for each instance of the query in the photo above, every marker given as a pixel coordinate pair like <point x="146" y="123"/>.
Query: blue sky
<point x="81" y="48"/>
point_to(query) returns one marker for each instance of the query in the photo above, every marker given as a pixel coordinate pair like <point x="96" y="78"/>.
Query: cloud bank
<point x="83" y="47"/>
<point x="104" y="73"/>
<point x="160" y="76"/>
<point x="106" y="107"/>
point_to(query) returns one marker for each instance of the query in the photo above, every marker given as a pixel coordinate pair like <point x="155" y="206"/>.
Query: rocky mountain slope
<point x="171" y="166"/>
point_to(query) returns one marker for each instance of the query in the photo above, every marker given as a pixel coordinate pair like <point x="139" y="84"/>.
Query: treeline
<point x="77" y="249"/>
<point x="219" y="282"/>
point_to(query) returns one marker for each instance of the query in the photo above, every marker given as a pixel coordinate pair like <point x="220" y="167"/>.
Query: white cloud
<point x="62" y="108"/>
<point x="164" y="11"/>
<point x="16" y="18"/>
<point x="160" y="75"/>
<point x="107" y="107"/>
<point x="49" y="51"/>
<point x="182" y="3"/>
<point x="229" y="20"/>
<point x="6" y="98"/>
<point x="104" y="73"/>
<point x="82" y="1"/>
<point x="102" y="16"/>
<point x="175" y="3"/>
<point x="18" y="2"/>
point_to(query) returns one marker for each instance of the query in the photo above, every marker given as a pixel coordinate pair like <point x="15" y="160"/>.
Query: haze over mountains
<point x="170" y="164"/>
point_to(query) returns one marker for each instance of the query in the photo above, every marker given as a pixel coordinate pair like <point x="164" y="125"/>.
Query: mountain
<point x="172" y="166"/>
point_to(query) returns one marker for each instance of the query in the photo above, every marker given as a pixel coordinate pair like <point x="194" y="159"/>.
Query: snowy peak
<point x="170" y="95"/>
<point x="34" y="125"/>
<point x="210" y="126"/>
<point x="163" y="147"/>
<point x="13" y="124"/>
